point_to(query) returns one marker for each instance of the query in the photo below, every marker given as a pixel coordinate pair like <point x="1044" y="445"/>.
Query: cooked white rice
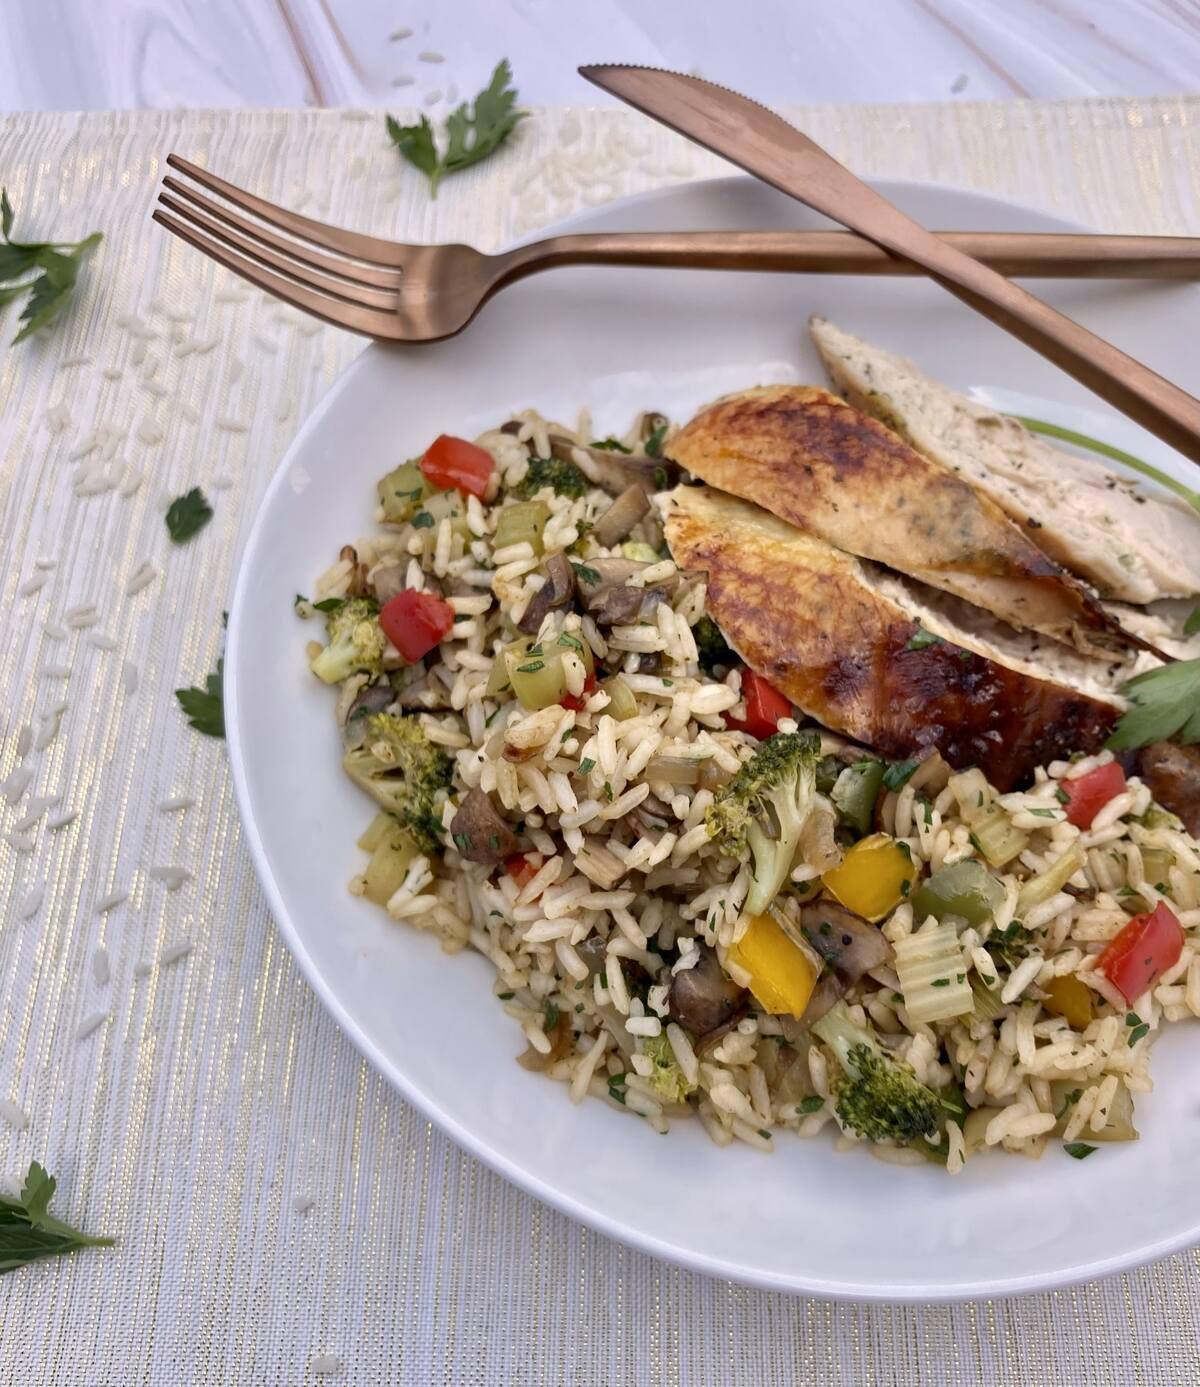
<point x="626" y="888"/>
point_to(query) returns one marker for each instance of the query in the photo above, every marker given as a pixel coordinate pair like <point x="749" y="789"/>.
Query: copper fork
<point x="415" y="293"/>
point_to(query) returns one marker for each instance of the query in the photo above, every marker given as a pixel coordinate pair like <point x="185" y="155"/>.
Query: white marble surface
<point x="97" y="54"/>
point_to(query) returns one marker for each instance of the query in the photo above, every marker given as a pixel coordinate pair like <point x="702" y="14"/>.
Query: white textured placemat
<point x="216" y="1099"/>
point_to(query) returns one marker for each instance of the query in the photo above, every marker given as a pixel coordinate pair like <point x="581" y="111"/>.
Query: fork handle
<point x="1033" y="254"/>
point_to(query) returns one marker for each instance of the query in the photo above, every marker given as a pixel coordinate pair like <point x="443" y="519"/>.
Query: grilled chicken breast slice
<point x="1131" y="545"/>
<point x="851" y="647"/>
<point x="825" y="466"/>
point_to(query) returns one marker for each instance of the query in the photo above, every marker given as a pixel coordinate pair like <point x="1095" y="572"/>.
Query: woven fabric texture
<point x="214" y="1098"/>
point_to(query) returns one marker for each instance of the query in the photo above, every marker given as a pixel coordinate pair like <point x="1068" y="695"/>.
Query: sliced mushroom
<point x="624" y="513"/>
<point x="373" y="699"/>
<point x="615" y="471"/>
<point x="1173" y="775"/>
<point x="479" y="833"/>
<point x="556" y="591"/>
<point x="389" y="580"/>
<point x="358" y="573"/>
<point x="609" y="596"/>
<point x="703" y="998"/>
<point x="850" y="945"/>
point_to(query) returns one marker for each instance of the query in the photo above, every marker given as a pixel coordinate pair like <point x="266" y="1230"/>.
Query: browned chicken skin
<point x="810" y="619"/>
<point x="823" y="465"/>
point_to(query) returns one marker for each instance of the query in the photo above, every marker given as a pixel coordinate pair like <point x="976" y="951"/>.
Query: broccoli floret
<point x="763" y="809"/>
<point x="356" y="642"/>
<point x="878" y="1097"/>
<point x="667" y="1079"/>
<point x="404" y="773"/>
<point x="562" y="477"/>
<point x="711" y="646"/>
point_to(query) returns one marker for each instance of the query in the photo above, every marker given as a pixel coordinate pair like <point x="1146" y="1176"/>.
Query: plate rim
<point x="472" y="1142"/>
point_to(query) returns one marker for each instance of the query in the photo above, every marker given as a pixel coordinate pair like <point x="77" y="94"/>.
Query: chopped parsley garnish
<point x="586" y="765"/>
<point x="586" y="575"/>
<point x="610" y="445"/>
<point x="187" y="515"/>
<point x="471" y="133"/>
<point x="1061" y="795"/>
<point x="330" y="604"/>
<point x="616" y="1088"/>
<point x="655" y="441"/>
<point x="1166" y="707"/>
<point x="1042" y="813"/>
<point x="810" y="1105"/>
<point x="921" y="639"/>
<point x="899" y="773"/>
<point x="550" y="1016"/>
<point x="506" y="996"/>
<point x="29" y="1231"/>
<point x="205" y="708"/>
<point x="1069" y="1101"/>
<point x="422" y="520"/>
<point x="532" y="667"/>
<point x="1078" y="1150"/>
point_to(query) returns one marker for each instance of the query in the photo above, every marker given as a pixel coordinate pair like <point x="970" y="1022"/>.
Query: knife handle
<point x="1146" y="397"/>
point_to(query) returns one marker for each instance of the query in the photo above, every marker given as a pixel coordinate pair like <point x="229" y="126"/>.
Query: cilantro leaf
<point x="205" y="708"/>
<point x="27" y="1229"/>
<point x="55" y="265"/>
<point x="188" y="514"/>
<point x="1166" y="706"/>
<point x="472" y="131"/>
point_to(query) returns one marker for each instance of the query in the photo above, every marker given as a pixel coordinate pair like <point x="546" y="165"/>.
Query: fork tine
<point x="372" y="248"/>
<point x="364" y="320"/>
<point x="313" y="279"/>
<point x="334" y="265"/>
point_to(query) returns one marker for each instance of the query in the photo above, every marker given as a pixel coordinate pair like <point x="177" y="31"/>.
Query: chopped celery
<point x="443" y="504"/>
<point x="966" y="889"/>
<point x="933" y="974"/>
<point x="988" y="1005"/>
<point x="376" y="831"/>
<point x="538" y="677"/>
<point x="1040" y="888"/>
<point x="523" y="522"/>
<point x="623" y="703"/>
<point x="855" y="792"/>
<point x="500" y="677"/>
<point x="1157" y="864"/>
<point x="389" y="863"/>
<point x="402" y="491"/>
<point x="1119" y="1127"/>
<point x="997" y="839"/>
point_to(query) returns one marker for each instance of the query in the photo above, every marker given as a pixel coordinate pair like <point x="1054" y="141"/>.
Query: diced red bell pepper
<point x="764" y="707"/>
<point x="1142" y="952"/>
<point x="1087" y="795"/>
<point x="575" y="702"/>
<point x="415" y="622"/>
<point x="453" y="463"/>
<point x="519" y="867"/>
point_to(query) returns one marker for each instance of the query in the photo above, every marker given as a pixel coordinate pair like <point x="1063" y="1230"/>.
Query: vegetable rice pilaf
<point x="695" y="903"/>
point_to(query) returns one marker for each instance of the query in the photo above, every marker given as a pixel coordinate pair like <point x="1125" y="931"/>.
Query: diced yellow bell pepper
<point x="1067" y="996"/>
<point x="873" y="877"/>
<point x="782" y="975"/>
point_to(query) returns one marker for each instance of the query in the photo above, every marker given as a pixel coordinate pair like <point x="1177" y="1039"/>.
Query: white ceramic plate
<point x="804" y="1219"/>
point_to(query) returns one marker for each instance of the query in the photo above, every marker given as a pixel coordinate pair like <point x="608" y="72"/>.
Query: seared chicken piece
<point x="1133" y="546"/>
<point x="830" y="469"/>
<point x="858" y="651"/>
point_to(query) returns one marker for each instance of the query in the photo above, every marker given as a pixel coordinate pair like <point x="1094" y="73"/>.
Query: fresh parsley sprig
<point x="1166" y="707"/>
<point x="28" y="1231"/>
<point x="56" y="264"/>
<point x="471" y="133"/>
<point x="188" y="514"/>
<point x="205" y="708"/>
